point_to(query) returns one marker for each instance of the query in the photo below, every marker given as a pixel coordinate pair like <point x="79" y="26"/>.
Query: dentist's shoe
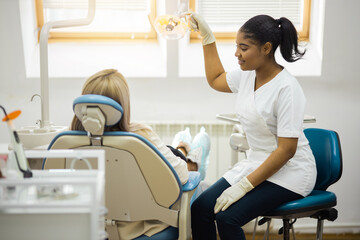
<point x="182" y="139"/>
<point x="199" y="152"/>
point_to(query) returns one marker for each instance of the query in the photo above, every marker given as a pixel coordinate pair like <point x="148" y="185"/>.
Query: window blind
<point x="128" y="5"/>
<point x="110" y="16"/>
<point x="224" y="15"/>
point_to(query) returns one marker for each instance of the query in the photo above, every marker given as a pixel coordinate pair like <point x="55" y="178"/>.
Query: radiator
<point x="219" y="132"/>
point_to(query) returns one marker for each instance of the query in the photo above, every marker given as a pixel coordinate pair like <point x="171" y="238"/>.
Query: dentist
<point x="270" y="105"/>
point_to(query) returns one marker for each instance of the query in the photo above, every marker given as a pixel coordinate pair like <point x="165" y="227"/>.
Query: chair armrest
<point x="193" y="182"/>
<point x="189" y="189"/>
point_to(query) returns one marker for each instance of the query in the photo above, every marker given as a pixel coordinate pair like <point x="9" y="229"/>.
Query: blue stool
<point x="325" y="145"/>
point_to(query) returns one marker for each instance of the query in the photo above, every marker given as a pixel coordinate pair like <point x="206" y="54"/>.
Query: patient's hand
<point x="191" y="166"/>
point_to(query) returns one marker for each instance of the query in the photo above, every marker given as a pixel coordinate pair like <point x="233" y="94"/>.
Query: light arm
<point x="44" y="64"/>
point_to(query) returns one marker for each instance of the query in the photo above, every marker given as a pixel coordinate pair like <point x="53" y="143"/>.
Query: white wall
<point x="332" y="97"/>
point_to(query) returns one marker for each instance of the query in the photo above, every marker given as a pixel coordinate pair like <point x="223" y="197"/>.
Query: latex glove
<point x="232" y="194"/>
<point x="197" y="23"/>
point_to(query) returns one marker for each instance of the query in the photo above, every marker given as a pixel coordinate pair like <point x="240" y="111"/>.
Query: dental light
<point x="173" y="27"/>
<point x="170" y="27"/>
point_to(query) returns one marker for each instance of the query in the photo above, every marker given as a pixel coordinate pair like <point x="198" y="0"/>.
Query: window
<point x="114" y="19"/>
<point x="225" y="16"/>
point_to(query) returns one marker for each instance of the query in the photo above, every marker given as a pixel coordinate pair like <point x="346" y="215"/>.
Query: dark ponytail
<point x="263" y="28"/>
<point x="289" y="41"/>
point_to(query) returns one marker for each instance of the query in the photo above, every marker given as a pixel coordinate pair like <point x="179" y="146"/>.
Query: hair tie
<point x="278" y="22"/>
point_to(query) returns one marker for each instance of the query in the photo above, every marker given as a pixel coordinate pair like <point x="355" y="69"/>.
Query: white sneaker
<point x="199" y="152"/>
<point x="182" y="139"/>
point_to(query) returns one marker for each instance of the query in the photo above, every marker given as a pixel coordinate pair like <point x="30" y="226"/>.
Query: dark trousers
<point x="260" y="200"/>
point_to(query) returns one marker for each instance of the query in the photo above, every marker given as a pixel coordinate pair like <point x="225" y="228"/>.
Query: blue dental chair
<point x="140" y="184"/>
<point x="325" y="145"/>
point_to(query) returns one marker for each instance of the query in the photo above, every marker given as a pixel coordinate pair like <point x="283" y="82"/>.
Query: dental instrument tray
<point x="231" y="117"/>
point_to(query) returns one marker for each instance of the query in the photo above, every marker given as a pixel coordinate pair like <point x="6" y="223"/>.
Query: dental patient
<point x="112" y="84"/>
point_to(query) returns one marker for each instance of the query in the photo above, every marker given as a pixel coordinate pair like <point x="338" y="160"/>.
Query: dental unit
<point x="34" y="137"/>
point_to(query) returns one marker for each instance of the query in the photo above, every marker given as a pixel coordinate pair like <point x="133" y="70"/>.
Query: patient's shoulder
<point x="138" y="127"/>
<point x="145" y="131"/>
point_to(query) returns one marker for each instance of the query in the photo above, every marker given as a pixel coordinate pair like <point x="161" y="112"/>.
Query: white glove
<point x="232" y="194"/>
<point x="197" y="23"/>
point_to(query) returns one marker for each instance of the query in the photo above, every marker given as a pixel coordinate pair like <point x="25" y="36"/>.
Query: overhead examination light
<point x="173" y="27"/>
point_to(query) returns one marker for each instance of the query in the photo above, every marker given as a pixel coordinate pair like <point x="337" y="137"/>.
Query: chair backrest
<point x="325" y="145"/>
<point x="140" y="182"/>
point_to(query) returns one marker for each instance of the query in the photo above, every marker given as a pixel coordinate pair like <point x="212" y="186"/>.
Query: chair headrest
<point x="97" y="111"/>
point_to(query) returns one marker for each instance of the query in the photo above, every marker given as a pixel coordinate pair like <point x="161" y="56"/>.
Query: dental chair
<point x="140" y="184"/>
<point x="325" y="145"/>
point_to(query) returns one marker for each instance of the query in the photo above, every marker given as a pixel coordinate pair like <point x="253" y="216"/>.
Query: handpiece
<point x="16" y="144"/>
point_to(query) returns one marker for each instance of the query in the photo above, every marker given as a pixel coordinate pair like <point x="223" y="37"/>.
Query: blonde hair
<point x="112" y="84"/>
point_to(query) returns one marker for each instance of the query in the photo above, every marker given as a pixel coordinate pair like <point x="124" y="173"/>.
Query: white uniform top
<point x="276" y="109"/>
